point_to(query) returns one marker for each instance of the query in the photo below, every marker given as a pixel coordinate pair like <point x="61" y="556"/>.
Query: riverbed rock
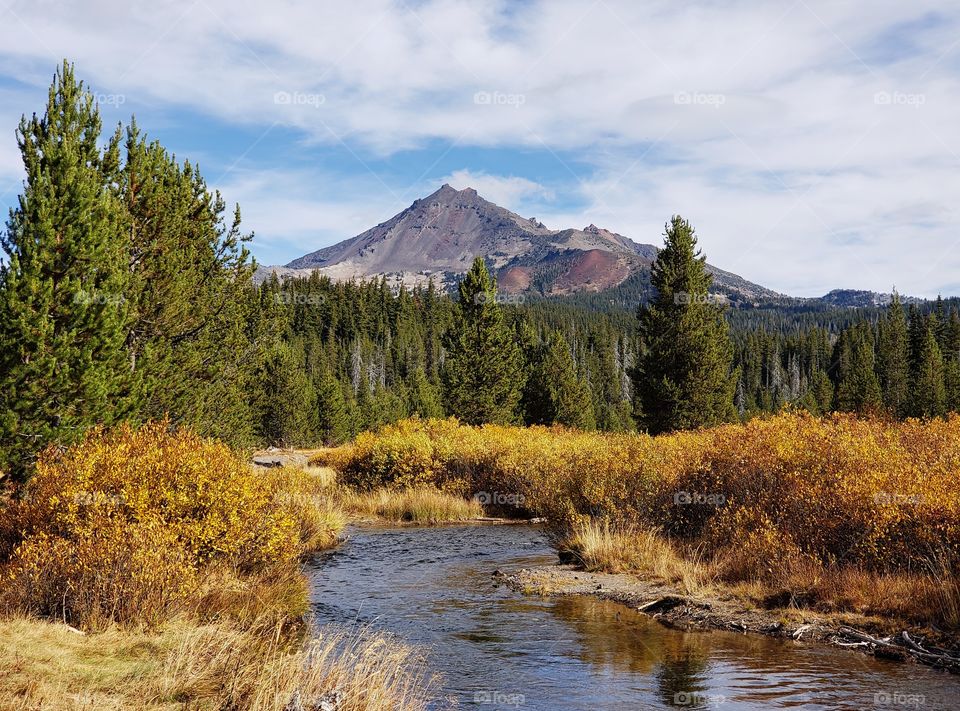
<point x="330" y="701"/>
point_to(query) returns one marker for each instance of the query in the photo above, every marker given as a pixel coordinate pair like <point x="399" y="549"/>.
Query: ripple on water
<point x="500" y="650"/>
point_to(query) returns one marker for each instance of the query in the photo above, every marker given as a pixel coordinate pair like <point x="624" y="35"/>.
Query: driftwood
<point x="662" y="604"/>
<point x="899" y="646"/>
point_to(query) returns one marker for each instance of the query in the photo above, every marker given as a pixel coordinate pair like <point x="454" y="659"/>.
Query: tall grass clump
<point x="422" y="504"/>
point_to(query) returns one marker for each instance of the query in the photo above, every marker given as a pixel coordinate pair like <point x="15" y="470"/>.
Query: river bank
<point x="724" y="610"/>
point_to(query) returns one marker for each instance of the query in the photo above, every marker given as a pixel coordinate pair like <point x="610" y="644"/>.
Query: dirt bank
<point x="724" y="610"/>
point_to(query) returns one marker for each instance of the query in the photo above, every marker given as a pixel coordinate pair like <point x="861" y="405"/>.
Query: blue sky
<point x="815" y="145"/>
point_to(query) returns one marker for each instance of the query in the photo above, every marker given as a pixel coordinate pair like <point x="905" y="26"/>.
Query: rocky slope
<point x="439" y="235"/>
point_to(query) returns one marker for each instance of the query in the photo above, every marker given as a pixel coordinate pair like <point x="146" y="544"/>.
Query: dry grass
<point x="611" y="549"/>
<point x="422" y="504"/>
<point x="308" y="496"/>
<point x="326" y="477"/>
<point x="47" y="666"/>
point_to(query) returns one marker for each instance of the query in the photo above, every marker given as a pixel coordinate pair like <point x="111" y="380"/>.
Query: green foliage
<point x="63" y="298"/>
<point x="559" y="395"/>
<point x="483" y="373"/>
<point x="859" y="389"/>
<point x="683" y="379"/>
<point x="188" y="293"/>
<point x="928" y="395"/>
<point x="333" y="423"/>
<point x="893" y="359"/>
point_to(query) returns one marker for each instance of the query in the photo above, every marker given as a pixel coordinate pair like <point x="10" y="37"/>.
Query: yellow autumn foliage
<point x="835" y="491"/>
<point x="122" y="526"/>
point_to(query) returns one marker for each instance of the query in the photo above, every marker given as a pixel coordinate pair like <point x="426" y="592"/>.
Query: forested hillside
<point x="126" y="294"/>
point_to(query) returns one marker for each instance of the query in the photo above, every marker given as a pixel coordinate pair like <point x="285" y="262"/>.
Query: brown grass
<point x="46" y="665"/>
<point x="607" y="548"/>
<point x="422" y="504"/>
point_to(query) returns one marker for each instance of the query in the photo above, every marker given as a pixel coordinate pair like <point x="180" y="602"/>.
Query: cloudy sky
<point x="814" y="144"/>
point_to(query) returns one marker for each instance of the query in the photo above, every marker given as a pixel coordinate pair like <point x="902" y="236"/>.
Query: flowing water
<point x="498" y="649"/>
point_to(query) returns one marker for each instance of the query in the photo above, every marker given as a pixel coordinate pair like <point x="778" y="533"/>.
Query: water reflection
<point x="497" y="649"/>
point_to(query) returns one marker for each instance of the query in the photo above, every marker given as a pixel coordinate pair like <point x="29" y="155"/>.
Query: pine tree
<point x="684" y="378"/>
<point x="62" y="305"/>
<point x="288" y="417"/>
<point x="927" y="387"/>
<point x="189" y="275"/>
<point x="423" y="397"/>
<point x="951" y="361"/>
<point x="894" y="359"/>
<point x="858" y="389"/>
<point x="483" y="371"/>
<point x="333" y="423"/>
<point x="563" y="397"/>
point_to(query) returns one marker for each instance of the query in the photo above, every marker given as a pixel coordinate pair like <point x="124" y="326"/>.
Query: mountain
<point x="853" y="298"/>
<point x="438" y="236"/>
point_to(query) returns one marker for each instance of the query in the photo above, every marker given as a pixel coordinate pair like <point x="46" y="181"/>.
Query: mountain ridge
<point x="438" y="236"/>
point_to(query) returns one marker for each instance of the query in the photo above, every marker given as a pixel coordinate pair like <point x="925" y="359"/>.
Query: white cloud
<point x="784" y="131"/>
<point x="511" y="192"/>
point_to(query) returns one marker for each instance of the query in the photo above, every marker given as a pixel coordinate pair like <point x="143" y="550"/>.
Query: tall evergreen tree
<point x="893" y="364"/>
<point x="563" y="397"/>
<point x="63" y="308"/>
<point x="333" y="421"/>
<point x="858" y="389"/>
<point x="684" y="378"/>
<point x="289" y="415"/>
<point x="483" y="371"/>
<point x="190" y="272"/>
<point x="423" y="397"/>
<point x="951" y="361"/>
<point x="928" y="396"/>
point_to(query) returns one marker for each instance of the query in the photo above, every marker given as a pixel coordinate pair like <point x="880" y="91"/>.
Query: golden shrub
<point x="117" y="527"/>
<point x="833" y="491"/>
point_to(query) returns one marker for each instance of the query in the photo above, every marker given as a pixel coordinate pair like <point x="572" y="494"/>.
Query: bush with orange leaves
<point x="121" y="526"/>
<point x="786" y="489"/>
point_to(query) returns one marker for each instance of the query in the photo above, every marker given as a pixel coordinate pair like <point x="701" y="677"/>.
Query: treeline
<point x="351" y="356"/>
<point x="127" y="294"/>
<point x="905" y="363"/>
